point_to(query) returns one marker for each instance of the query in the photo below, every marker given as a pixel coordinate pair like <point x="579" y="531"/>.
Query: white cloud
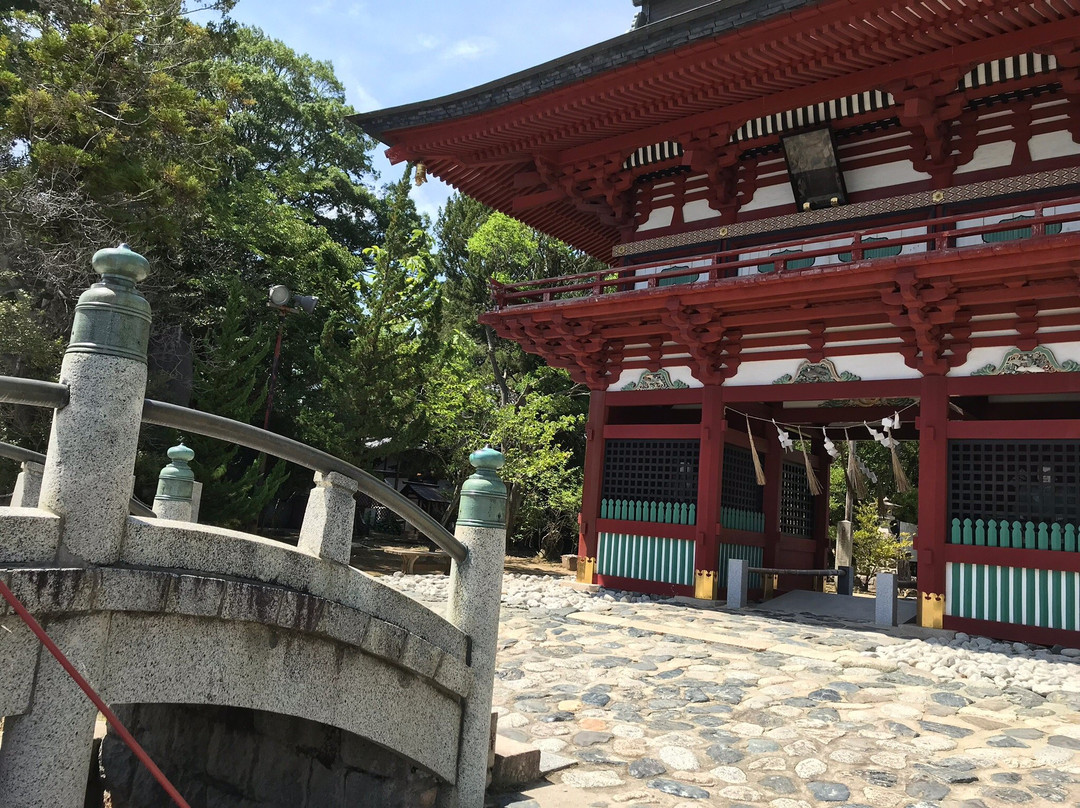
<point x="466" y="49"/>
<point x="363" y="100"/>
<point x="431" y="196"/>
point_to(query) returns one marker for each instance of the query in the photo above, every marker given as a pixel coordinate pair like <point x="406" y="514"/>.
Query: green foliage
<point x="376" y="354"/>
<point x="878" y="459"/>
<point x="237" y="485"/>
<point x="874" y="548"/>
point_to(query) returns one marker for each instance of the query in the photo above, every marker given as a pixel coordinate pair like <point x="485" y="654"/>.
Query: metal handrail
<point x="214" y="426"/>
<point x="14" y="390"/>
<point x="32" y="392"/>
<point x="21" y="455"/>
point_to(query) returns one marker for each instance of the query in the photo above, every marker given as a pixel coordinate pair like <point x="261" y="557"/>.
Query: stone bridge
<point x="164" y="611"/>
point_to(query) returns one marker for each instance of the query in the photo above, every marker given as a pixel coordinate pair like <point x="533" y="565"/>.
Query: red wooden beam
<point x="1059" y="560"/>
<point x="656" y="529"/>
<point x="530" y="201"/>
<point x="652" y="431"/>
<point x="1015" y="430"/>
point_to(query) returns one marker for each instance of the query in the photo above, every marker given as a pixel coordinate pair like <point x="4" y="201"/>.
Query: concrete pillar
<point x="328" y="521"/>
<point x="738" y="581"/>
<point x="27" y="485"/>
<point x="45" y="755"/>
<point x="885" y="600"/>
<point x="175" y="485"/>
<point x="92" y="446"/>
<point x="473" y="606"/>
<point x="843" y="544"/>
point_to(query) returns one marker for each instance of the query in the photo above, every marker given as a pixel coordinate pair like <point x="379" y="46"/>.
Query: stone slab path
<point x="663" y="704"/>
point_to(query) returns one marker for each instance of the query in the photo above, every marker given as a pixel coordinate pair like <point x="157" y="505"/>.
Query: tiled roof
<point x="710" y="20"/>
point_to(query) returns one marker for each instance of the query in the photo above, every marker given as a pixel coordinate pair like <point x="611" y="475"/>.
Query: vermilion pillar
<point x="773" y="468"/>
<point x="821" y="505"/>
<point x="590" y="494"/>
<point x="710" y="472"/>
<point x="933" y="493"/>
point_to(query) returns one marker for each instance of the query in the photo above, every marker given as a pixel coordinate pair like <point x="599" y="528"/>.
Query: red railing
<point x="936" y="234"/>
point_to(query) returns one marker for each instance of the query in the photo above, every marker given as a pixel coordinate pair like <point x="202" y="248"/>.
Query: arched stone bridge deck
<point x="202" y="615"/>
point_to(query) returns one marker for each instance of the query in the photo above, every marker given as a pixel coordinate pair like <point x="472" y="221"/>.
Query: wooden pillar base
<point x="931" y="610"/>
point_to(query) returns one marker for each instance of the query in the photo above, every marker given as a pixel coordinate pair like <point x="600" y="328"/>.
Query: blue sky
<point x="401" y="51"/>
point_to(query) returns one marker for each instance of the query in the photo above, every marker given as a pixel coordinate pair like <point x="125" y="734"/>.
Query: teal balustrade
<point x="993" y="533"/>
<point x="665" y="513"/>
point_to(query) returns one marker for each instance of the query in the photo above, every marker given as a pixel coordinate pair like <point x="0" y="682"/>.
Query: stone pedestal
<point x="738" y="581"/>
<point x="86" y="481"/>
<point x="843" y="544"/>
<point x="45" y="756"/>
<point x="27" y="485"/>
<point x="473" y="606"/>
<point x="93" y="442"/>
<point x="885" y="604"/>
<point x="328" y="521"/>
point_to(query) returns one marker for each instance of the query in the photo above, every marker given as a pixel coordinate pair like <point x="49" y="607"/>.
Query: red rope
<point x="110" y="716"/>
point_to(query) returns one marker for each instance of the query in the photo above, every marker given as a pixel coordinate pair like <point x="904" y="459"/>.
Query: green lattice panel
<point x="745" y="552"/>
<point x="1026" y="597"/>
<point x="646" y="558"/>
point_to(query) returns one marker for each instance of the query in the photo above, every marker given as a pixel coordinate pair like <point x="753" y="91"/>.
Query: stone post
<point x="176" y="483"/>
<point x="91" y="455"/>
<point x="473" y="606"/>
<point x="328" y="521"/>
<point x="27" y="485"/>
<point x="45" y="753"/>
<point x="845" y="583"/>
<point x="885" y="605"/>
<point x="738" y="581"/>
<point x="843" y="544"/>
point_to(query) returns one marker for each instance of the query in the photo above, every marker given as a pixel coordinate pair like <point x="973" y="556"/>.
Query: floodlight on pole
<point x="280" y="297"/>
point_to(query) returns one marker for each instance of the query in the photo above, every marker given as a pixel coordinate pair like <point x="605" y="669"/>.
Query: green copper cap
<point x="176" y="480"/>
<point x="121" y="262"/>
<point x="483" y="495"/>
<point x="181" y="454"/>
<point x="487" y="458"/>
<point x="111" y="317"/>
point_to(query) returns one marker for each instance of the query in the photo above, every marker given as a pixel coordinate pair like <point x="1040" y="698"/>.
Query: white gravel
<point x="999" y="664"/>
<point x="520" y="591"/>
<point x="975" y="659"/>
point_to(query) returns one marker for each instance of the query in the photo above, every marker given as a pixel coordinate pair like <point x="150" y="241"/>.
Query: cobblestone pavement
<point x="663" y="704"/>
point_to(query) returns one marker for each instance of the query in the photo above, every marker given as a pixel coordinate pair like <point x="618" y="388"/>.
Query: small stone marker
<point x="885" y="601"/>
<point x="738" y="580"/>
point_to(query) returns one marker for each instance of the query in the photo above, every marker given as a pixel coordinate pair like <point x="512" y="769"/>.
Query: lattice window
<point x="739" y="488"/>
<point x="1036" y="481"/>
<point x="652" y="470"/>
<point x="796" y="502"/>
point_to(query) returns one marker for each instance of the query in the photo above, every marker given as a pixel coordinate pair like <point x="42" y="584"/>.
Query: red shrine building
<point x="818" y="214"/>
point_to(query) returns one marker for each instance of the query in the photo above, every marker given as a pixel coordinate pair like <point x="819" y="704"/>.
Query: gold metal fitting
<point x="931" y="610"/>
<point x="705" y="585"/>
